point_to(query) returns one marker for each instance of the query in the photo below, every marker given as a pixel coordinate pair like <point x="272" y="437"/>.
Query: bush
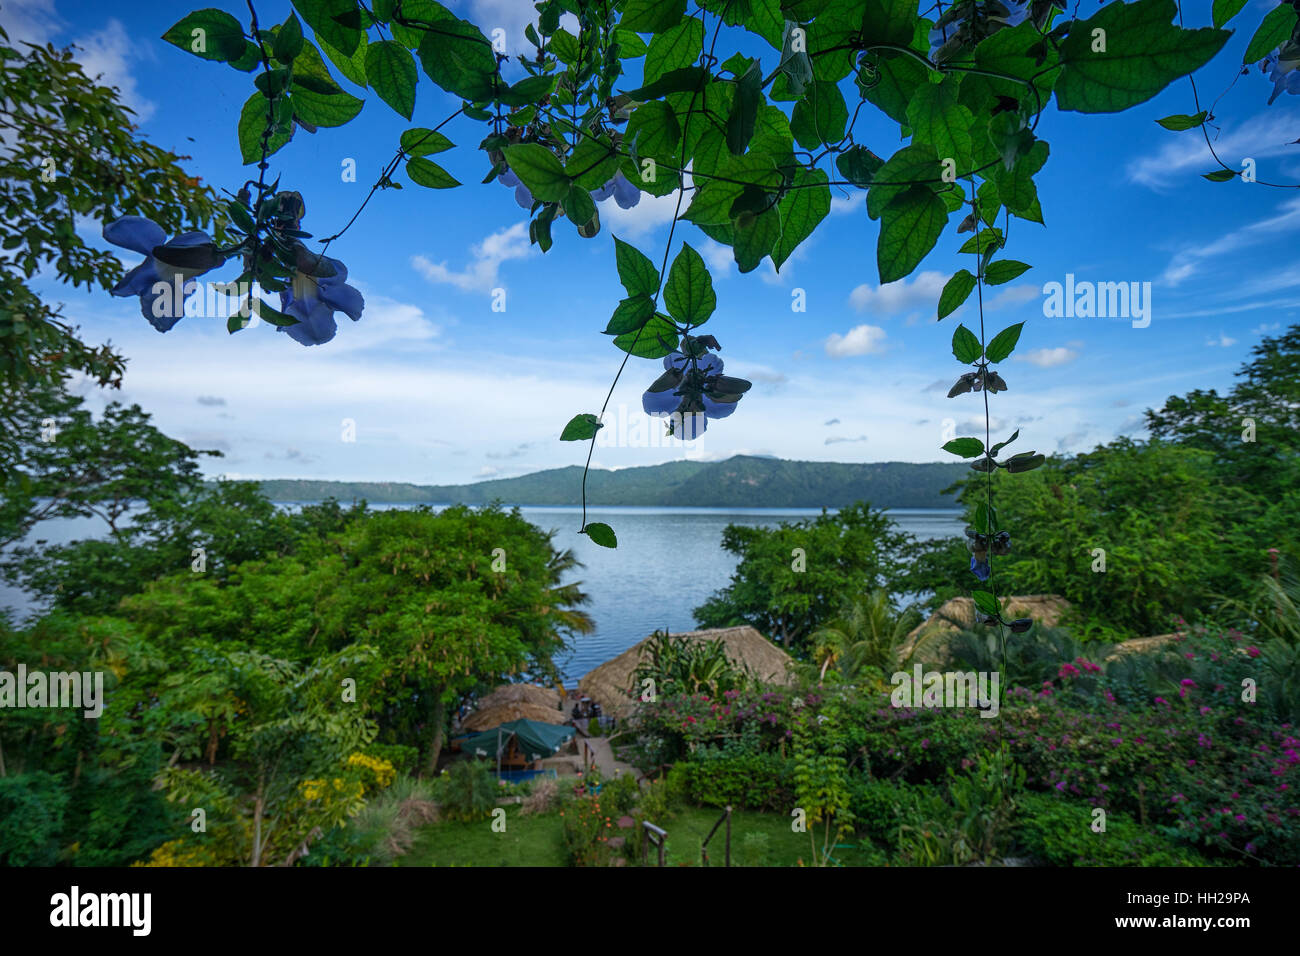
<point x="1059" y="832"/>
<point x="468" y="790"/>
<point x="31" y="818"/>
<point x="404" y="759"/>
<point x="383" y="831"/>
<point x="713" y="777"/>
<point x="622" y="793"/>
<point x="587" y="830"/>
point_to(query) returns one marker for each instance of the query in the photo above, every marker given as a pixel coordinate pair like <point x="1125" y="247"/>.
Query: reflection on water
<point x="668" y="561"/>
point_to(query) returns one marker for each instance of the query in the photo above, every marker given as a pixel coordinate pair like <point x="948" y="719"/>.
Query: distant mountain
<point x="743" y="481"/>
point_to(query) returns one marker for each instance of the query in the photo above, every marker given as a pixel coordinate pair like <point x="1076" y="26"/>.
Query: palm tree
<point x="866" y="634"/>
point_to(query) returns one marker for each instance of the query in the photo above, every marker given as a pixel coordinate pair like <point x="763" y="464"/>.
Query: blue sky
<point x="443" y="389"/>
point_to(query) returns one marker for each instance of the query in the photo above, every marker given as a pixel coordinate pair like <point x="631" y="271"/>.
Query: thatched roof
<point x="485" y="718"/>
<point x="610" y="684"/>
<point x="521" y="693"/>
<point x="927" y="643"/>
<point x="1139" y="645"/>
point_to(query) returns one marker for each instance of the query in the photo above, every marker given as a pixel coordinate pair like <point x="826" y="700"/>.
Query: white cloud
<point x="643" y="218"/>
<point x="843" y="205"/>
<point x="718" y="258"/>
<point x="1048" y="358"/>
<point x="1223" y="341"/>
<point x="1013" y="296"/>
<point x="894" y="298"/>
<point x="483" y="273"/>
<point x="105" y="55"/>
<point x="860" y="340"/>
<point x="1186" y="155"/>
<point x="1265" y="327"/>
<point x="1189" y="260"/>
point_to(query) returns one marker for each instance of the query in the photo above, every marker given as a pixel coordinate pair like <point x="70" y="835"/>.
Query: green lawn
<point x="538" y="840"/>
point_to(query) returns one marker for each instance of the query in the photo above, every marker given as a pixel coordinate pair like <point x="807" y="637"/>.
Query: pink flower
<point x="1253" y="651"/>
<point x="1068" y="670"/>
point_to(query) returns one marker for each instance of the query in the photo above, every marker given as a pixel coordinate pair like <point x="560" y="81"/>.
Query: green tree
<point x="71" y="151"/>
<point x="864" y="636"/>
<point x="453" y="600"/>
<point x="795" y="576"/>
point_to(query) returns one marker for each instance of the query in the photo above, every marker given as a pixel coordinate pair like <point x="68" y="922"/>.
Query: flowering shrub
<point x="588" y="827"/>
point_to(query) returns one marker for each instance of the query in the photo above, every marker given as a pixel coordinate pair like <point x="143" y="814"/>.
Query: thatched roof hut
<point x="485" y="718"/>
<point x="521" y="694"/>
<point x="610" y="684"/>
<point x="928" y="644"/>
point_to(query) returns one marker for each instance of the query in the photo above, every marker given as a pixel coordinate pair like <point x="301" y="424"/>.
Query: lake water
<point x="668" y="561"/>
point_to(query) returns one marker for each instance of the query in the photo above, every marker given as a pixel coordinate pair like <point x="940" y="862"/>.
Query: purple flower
<point x="522" y="196"/>
<point x="624" y="192"/>
<point x="313" y="300"/>
<point x="692" y="393"/>
<point x="170" y="265"/>
<point x="980" y="568"/>
<point x="1283" y="73"/>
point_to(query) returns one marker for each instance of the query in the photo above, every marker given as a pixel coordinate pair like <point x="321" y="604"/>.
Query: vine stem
<point x="663" y="267"/>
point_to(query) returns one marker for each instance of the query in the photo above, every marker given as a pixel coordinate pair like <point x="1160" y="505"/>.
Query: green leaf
<point x="252" y="124"/>
<point x="1002" y="444"/>
<point x="1004" y="270"/>
<point x="635" y="271"/>
<point x="673" y="49"/>
<point x="1220" y="175"/>
<point x="685" y="80"/>
<point x="916" y="162"/>
<point x="1143" y="53"/>
<point x="1004" y="343"/>
<point x="425" y="172"/>
<point x="1181" y="121"/>
<point x="744" y="109"/>
<point x="602" y="534"/>
<point x="986" y="602"/>
<point x="354" y="66"/>
<point x="391" y="70"/>
<point x="688" y="293"/>
<point x="820" y="117"/>
<point x="579" y="206"/>
<point x="955" y="292"/>
<point x="272" y="315"/>
<point x="592" y="163"/>
<point x="460" y="60"/>
<point x="858" y="165"/>
<point x="755" y="237"/>
<point x="581" y="428"/>
<point x="336" y="22"/>
<point x="965" y="346"/>
<point x="539" y="169"/>
<point x="898" y="78"/>
<point x="325" y="109"/>
<point x="937" y="119"/>
<point x="652" y="16"/>
<point x="424" y="142"/>
<point x="909" y="228"/>
<point x="288" y="40"/>
<point x="210" y="34"/>
<point x="656" y="339"/>
<point x="1225" y="10"/>
<point x="528" y="91"/>
<point x="806" y="204"/>
<point x="652" y="130"/>
<point x="1016" y="188"/>
<point x="965" y="447"/>
<point x="630" y="314"/>
<point x="1274" y="30"/>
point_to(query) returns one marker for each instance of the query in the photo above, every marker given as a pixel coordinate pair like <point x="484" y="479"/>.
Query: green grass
<point x="538" y="840"/>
